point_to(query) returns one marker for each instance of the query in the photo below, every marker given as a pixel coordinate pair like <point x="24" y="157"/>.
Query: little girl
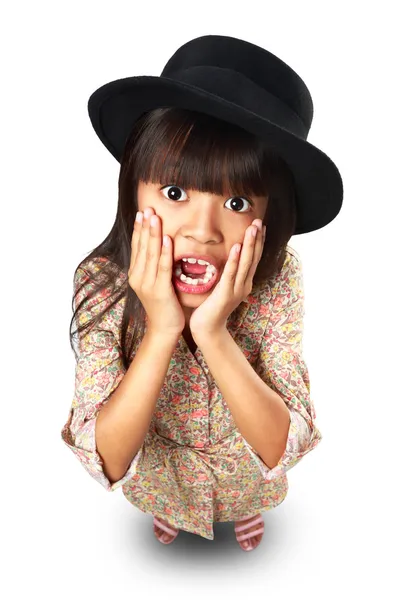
<point x="191" y="390"/>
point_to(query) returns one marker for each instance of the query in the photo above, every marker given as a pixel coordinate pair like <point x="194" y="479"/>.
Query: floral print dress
<point x="194" y="467"/>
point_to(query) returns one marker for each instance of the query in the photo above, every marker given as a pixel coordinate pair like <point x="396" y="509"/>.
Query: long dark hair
<point x="198" y="152"/>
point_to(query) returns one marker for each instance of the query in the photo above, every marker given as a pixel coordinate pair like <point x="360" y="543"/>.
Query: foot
<point x="249" y="531"/>
<point x="164" y="532"/>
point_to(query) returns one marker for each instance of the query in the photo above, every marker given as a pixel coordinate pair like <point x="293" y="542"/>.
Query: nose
<point x="204" y="229"/>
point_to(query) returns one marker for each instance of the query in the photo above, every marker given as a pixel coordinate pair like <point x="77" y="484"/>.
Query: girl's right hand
<point x="150" y="277"/>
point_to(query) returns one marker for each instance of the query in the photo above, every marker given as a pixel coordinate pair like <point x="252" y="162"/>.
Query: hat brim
<point x="116" y="106"/>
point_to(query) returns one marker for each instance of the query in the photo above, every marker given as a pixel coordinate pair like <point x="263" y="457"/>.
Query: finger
<point x="135" y="239"/>
<point x="247" y="256"/>
<point x="229" y="273"/>
<point x="259" y="246"/>
<point x="153" y="250"/>
<point x="141" y="258"/>
<point x="258" y="249"/>
<point x="166" y="262"/>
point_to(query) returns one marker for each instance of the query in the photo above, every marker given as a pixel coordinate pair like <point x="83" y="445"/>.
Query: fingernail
<point x="245" y="544"/>
<point x="258" y="224"/>
<point x="147" y="213"/>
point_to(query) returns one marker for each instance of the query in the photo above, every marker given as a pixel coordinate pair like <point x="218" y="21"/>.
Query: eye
<point x="238" y="202"/>
<point x="174" y="193"/>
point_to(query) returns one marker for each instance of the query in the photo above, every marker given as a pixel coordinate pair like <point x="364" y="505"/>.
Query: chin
<point x="191" y="300"/>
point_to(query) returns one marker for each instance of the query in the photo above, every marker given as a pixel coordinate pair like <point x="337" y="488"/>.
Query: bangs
<point x="198" y="152"/>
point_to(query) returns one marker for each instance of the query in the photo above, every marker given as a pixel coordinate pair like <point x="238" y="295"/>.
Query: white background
<point x="62" y="535"/>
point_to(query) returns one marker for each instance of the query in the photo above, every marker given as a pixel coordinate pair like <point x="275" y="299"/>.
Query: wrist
<point x="205" y="335"/>
<point x="164" y="335"/>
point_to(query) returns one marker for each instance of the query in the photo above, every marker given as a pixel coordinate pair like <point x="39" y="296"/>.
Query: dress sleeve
<point x="281" y="365"/>
<point x="98" y="372"/>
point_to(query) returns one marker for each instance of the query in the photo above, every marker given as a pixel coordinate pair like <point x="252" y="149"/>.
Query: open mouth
<point x="193" y="278"/>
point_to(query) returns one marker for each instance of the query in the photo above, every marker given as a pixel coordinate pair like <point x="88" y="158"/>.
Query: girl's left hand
<point x="233" y="287"/>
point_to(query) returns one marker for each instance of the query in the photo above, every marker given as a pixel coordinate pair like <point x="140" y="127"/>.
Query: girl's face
<point x="200" y="223"/>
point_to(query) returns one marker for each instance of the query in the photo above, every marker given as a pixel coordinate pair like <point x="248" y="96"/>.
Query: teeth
<point x="200" y="261"/>
<point x="189" y="280"/>
<point x="195" y="260"/>
<point x="210" y="271"/>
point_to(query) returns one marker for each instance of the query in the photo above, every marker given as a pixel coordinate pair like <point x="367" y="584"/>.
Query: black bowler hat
<point x="240" y="83"/>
